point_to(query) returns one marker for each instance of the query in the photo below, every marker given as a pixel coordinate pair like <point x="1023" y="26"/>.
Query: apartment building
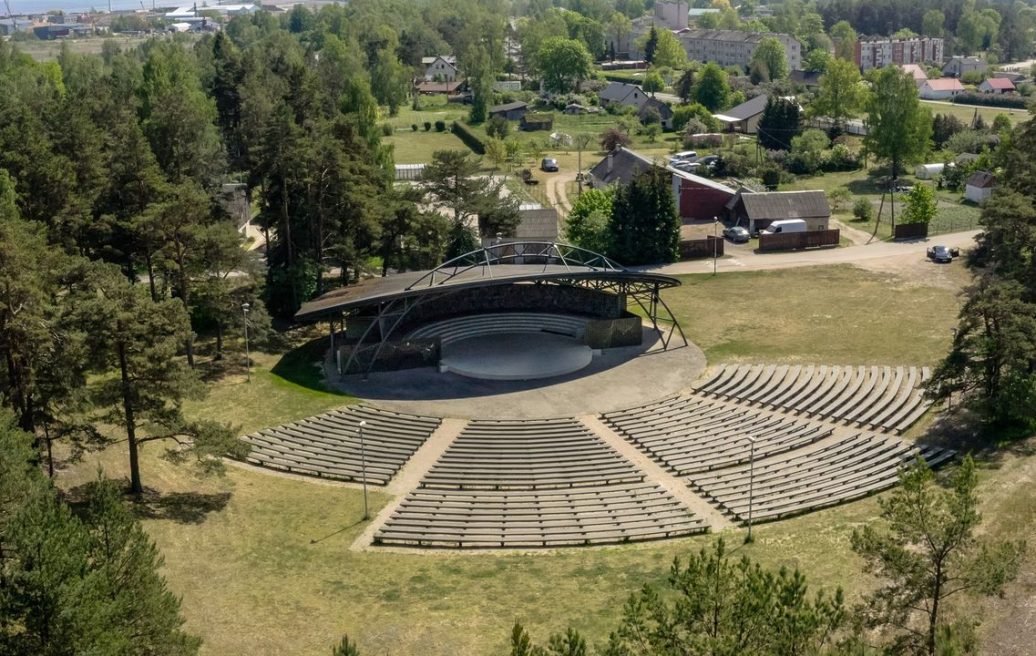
<point x="735" y="48"/>
<point x="876" y="53"/>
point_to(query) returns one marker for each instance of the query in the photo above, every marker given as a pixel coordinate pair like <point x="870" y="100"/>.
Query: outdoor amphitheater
<point x="535" y="395"/>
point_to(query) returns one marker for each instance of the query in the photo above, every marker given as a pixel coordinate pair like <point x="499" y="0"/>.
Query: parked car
<point x="709" y="160"/>
<point x="549" y="164"/>
<point x="687" y="167"/>
<point x="685" y="156"/>
<point x="941" y="253"/>
<point x="736" y="234"/>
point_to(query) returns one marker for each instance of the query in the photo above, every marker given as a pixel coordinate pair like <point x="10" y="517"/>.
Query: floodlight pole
<point x="248" y="360"/>
<point x="363" y="472"/>
<point x="751" y="484"/>
<point x="715" y="242"/>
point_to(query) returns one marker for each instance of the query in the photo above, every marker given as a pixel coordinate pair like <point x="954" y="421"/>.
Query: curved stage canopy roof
<point x="501" y="264"/>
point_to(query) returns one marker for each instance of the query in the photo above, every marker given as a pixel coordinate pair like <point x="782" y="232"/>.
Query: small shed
<point x="979" y="186"/>
<point x="928" y="171"/>
<point x="997" y="85"/>
<point x="537" y="121"/>
<point x="513" y="111"/>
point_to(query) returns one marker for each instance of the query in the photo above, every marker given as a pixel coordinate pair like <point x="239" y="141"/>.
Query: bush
<point x="413" y="126"/>
<point x="427" y="126"/>
<point x="863" y="210"/>
<point x="387" y="130"/>
<point x="498" y="127"/>
<point x="990" y="100"/>
<point x="839" y="198"/>
<point x="440" y="126"/>
<point x="972" y="77"/>
<point x="840" y="158"/>
<point x="971" y="141"/>
<point x="684" y="114"/>
<point x="771" y="178"/>
<point x="807" y="152"/>
<point x="469" y="138"/>
<point x="612" y="138"/>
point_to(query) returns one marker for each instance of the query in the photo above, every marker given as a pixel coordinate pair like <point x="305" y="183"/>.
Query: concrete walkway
<point x="410" y="475"/>
<point x="657" y="474"/>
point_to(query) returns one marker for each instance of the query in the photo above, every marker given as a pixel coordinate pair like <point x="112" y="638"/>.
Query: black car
<point x="942" y="253"/>
<point x="549" y="164"/>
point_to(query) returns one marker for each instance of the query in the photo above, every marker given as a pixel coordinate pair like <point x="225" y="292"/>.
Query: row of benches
<point x="528" y="455"/>
<point x="883" y="398"/>
<point x="328" y="445"/>
<point x="689" y="434"/>
<point x="797" y="482"/>
<point x="461" y="328"/>
<point x="537" y="518"/>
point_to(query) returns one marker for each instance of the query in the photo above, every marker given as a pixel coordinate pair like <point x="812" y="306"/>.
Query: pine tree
<point x="780" y="123"/>
<point x="644" y="227"/>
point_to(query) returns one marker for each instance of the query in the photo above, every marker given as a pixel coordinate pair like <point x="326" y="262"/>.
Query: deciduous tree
<point x="564" y="64"/>
<point x="928" y="554"/>
<point x="712" y="89"/>
<point x="898" y="127"/>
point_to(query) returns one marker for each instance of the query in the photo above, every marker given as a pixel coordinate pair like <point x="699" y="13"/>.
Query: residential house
<point x="734" y="47"/>
<point x="996" y="85"/>
<point x="619" y="166"/>
<point x="429" y="87"/>
<point x="759" y="210"/>
<point x="630" y="95"/>
<point x="941" y="88"/>
<point x="513" y="111"/>
<point x="915" y="71"/>
<point x="979" y="186"/>
<point x="744" y="117"/>
<point x="698" y="198"/>
<point x="877" y="53"/>
<point x="440" y="68"/>
<point x="958" y="66"/>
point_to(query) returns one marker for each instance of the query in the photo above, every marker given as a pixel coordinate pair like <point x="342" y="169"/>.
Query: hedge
<point x="991" y="100"/>
<point x="469" y="138"/>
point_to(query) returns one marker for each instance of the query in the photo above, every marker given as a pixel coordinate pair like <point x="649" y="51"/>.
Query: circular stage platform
<point x="515" y="356"/>
<point x="617" y="378"/>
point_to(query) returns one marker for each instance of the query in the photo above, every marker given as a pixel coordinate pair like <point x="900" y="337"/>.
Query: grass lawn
<point x="417" y="147"/>
<point x="263" y="563"/>
<point x="49" y="50"/>
<point x="966" y="113"/>
<point x="837" y="315"/>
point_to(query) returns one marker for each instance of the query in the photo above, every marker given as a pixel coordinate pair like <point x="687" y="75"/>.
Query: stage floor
<point x="515" y="356"/>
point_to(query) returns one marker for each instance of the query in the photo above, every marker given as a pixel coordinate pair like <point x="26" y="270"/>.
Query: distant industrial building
<point x="877" y="53"/>
<point x="734" y="47"/>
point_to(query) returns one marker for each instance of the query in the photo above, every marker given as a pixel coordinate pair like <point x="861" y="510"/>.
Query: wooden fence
<point x="693" y="249"/>
<point x="911" y="231"/>
<point x="798" y="240"/>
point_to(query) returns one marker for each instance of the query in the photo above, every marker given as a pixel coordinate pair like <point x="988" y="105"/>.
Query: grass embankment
<point x="263" y="561"/>
<point x="966" y="113"/>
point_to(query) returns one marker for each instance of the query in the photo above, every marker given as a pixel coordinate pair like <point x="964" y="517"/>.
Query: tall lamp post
<point x="363" y="472"/>
<point x="245" y="307"/>
<point x="715" y="242"/>
<point x="751" y="484"/>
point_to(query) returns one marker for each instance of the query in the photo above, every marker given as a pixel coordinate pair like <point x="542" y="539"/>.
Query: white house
<point x="441" y="68"/>
<point x="941" y="88"/>
<point x="996" y="85"/>
<point x="979" y="186"/>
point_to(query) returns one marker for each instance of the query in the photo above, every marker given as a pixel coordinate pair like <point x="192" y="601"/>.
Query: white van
<point x="785" y="226"/>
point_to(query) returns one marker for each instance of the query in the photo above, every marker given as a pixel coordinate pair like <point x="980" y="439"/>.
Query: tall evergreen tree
<point x="780" y="123"/>
<point x="644" y="227"/>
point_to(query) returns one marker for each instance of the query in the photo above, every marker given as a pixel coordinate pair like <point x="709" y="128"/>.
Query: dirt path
<point x="558" y="195"/>
<point x="855" y="235"/>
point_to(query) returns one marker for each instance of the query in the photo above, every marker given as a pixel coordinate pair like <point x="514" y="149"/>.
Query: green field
<point x="966" y="113"/>
<point x="263" y="561"/>
<point x="410" y="147"/>
<point x="49" y="50"/>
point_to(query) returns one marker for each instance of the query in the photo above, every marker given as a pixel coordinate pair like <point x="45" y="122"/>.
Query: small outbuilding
<point x="759" y="210"/>
<point x="979" y="186"/>
<point x="513" y="111"/>
<point x="928" y="171"/>
<point x="745" y="117"/>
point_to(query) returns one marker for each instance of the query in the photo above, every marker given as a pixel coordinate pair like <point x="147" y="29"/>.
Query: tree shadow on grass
<point x="302" y="366"/>
<point x="181" y="507"/>
<point x="964" y="431"/>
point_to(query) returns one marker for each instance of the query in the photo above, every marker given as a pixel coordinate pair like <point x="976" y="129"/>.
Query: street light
<point x="363" y="471"/>
<point x="248" y="360"/>
<point x="751" y="484"/>
<point x="715" y="242"/>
